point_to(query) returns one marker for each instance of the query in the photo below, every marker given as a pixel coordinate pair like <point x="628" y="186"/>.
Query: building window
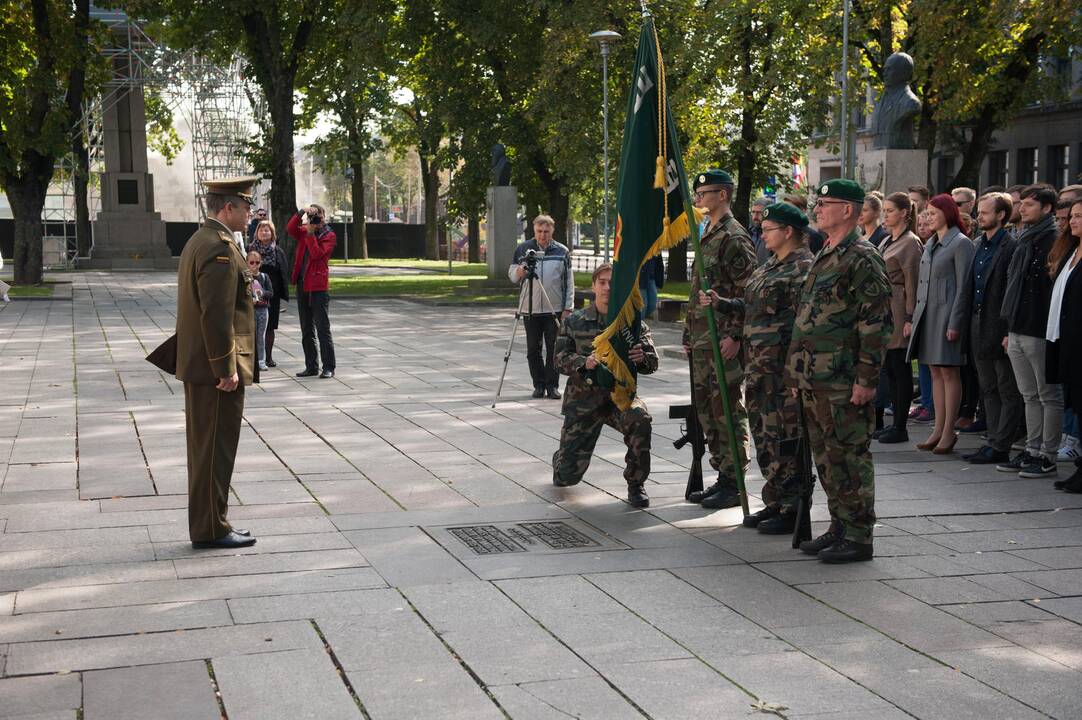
<point x="1059" y="166"/>
<point x="1027" y="166"/>
<point x="999" y="168"/>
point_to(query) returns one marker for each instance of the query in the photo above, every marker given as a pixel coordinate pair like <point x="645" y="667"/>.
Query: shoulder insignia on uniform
<point x="221" y="259"/>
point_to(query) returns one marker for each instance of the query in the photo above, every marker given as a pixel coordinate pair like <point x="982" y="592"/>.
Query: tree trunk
<point x="27" y="196"/>
<point x="597" y="237"/>
<point x="560" y="209"/>
<point x="80" y="155"/>
<point x="678" y="263"/>
<point x="360" y="226"/>
<point x="473" y="237"/>
<point x="745" y="171"/>
<point x="969" y="175"/>
<point x="430" y="176"/>
<point x="283" y="192"/>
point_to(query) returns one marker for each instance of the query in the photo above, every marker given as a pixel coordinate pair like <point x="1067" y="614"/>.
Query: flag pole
<point x="719" y="366"/>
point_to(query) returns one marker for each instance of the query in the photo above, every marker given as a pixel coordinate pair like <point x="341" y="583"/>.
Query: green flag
<point x="651" y="208"/>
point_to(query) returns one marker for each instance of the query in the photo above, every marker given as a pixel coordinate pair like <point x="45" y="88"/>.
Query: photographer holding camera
<point x="315" y="243"/>
<point x="542" y="267"/>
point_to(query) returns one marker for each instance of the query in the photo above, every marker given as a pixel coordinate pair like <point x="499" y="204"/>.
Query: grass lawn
<point x="459" y="268"/>
<point x="18" y="291"/>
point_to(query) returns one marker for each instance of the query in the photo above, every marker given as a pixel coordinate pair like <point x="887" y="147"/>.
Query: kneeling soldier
<point x="588" y="406"/>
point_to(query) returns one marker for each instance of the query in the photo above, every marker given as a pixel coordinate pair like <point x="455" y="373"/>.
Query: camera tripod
<point x="525" y="296"/>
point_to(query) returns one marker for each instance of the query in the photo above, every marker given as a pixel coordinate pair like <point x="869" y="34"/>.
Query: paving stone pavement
<point x="361" y="601"/>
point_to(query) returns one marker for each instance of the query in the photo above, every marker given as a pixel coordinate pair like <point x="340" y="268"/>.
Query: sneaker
<point x="1070" y="449"/>
<point x="1039" y="468"/>
<point x="1016" y="464"/>
<point x="915" y="411"/>
<point x="924" y="416"/>
<point x="263" y="366"/>
<point x="888" y="411"/>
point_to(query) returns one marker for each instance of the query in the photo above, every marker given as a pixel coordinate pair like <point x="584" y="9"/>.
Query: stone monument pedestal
<point x="128" y="233"/>
<point x="501" y="231"/>
<point x="889" y="171"/>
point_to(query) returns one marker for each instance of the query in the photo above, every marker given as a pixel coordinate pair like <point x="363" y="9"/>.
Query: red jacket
<point x="319" y="249"/>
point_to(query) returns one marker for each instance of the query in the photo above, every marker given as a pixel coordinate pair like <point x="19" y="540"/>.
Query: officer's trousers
<point x="212" y="423"/>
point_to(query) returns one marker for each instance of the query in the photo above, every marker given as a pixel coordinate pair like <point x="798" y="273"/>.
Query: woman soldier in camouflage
<point x="768" y="309"/>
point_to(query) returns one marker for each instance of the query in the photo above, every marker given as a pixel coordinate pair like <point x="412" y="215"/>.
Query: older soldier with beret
<point x="841" y="330"/>
<point x="728" y="261"/>
<point x="588" y="407"/>
<point x="215" y="351"/>
<point x="767" y="310"/>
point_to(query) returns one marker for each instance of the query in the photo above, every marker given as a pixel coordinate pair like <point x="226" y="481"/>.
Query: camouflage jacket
<point x="728" y="261"/>
<point x="768" y="310"/>
<point x="843" y="321"/>
<point x="574" y="344"/>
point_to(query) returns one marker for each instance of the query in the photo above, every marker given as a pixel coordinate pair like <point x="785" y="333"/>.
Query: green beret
<point x="712" y="177"/>
<point x="842" y="189"/>
<point x="785" y="214"/>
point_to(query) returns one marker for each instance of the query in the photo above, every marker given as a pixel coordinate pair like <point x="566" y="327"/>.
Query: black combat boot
<point x="720" y="484"/>
<point x="781" y="524"/>
<point x="539" y="392"/>
<point x="755" y="518"/>
<point x="832" y="535"/>
<point x="561" y="482"/>
<point x="637" y="497"/>
<point x="726" y="497"/>
<point x="846" y="551"/>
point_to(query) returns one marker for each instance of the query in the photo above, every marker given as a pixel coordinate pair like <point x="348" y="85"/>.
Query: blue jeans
<point x="1070" y="423"/>
<point x="649" y="298"/>
<point x="262" y="314"/>
<point x="924" y="379"/>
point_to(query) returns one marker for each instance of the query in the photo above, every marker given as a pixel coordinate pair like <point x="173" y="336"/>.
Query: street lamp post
<point x="603" y="39"/>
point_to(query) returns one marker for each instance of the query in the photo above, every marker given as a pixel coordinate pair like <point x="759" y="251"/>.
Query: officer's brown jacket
<point x="215" y="319"/>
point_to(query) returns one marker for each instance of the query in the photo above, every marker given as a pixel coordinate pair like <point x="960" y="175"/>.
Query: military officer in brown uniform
<point x="215" y="341"/>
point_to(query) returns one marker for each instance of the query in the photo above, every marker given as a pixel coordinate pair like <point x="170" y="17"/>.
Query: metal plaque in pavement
<point x="540" y="536"/>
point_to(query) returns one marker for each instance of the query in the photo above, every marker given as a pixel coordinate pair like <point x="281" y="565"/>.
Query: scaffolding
<point x="219" y="117"/>
<point x="212" y="100"/>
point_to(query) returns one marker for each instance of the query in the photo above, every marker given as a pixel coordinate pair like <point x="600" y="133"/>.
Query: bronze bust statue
<point x="892" y="121"/>
<point x="501" y="166"/>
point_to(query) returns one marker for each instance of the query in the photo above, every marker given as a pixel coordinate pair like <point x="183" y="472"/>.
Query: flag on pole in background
<point x="650" y="208"/>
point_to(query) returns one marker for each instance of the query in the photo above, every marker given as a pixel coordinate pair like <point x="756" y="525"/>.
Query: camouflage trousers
<point x="774" y="415"/>
<point x="707" y="398"/>
<point x="839" y="434"/>
<point x="579" y="436"/>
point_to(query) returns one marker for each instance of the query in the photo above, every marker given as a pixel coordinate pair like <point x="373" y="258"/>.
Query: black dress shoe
<point x="232" y="540"/>
<point x="245" y="533"/>
<point x="781" y="524"/>
<point x="1072" y="484"/>
<point x="326" y="374"/>
<point x="893" y="435"/>
<point x="877" y="432"/>
<point x="989" y="456"/>
<point x="554" y="393"/>
<point x="831" y="536"/>
<point x="755" y="518"/>
<point x="308" y="373"/>
<point x="846" y="551"/>
<point x="538" y="392"/>
<point x="727" y="497"/>
<point x="637" y="497"/>
<point x="271" y="363"/>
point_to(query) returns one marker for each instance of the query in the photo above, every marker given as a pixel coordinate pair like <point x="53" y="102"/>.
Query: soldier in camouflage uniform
<point x="768" y="309"/>
<point x="841" y="331"/>
<point x="587" y="406"/>
<point x="728" y="261"/>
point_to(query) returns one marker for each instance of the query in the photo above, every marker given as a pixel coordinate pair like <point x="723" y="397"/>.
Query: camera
<point x="532" y="257"/>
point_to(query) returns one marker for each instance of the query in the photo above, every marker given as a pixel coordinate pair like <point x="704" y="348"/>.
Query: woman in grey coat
<point x="936" y="335"/>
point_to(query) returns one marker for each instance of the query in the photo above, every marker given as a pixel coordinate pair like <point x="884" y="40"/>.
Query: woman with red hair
<point x="936" y="335"/>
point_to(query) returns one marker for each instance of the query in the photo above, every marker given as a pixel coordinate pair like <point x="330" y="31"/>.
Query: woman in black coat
<point x="1064" y="356"/>
<point x="276" y="266"/>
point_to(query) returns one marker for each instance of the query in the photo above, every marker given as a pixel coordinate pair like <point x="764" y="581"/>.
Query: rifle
<point x="692" y="433"/>
<point x="802" y="529"/>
